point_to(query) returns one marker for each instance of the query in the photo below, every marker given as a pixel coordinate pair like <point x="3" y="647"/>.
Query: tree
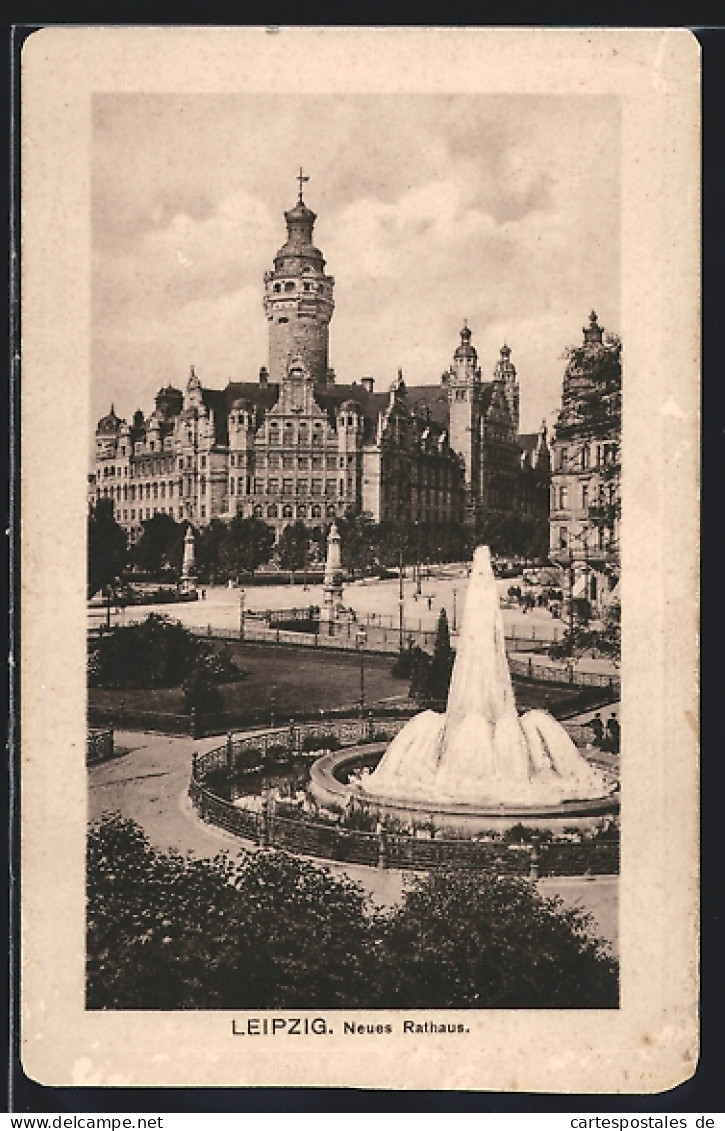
<point x="248" y="545"/>
<point x="272" y="931"/>
<point x="441" y="667"/>
<point x="358" y="537"/>
<point x="156" y="653"/>
<point x="293" y="545"/>
<point x="210" y="542"/>
<point x="471" y="940"/>
<point x="107" y="547"/>
<point x="171" y="932"/>
<point x="160" y="549"/>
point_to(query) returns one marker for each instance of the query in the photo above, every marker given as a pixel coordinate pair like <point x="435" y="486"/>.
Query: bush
<point x="278" y="753"/>
<point x="221" y="668"/>
<point x="171" y="932"/>
<point x="272" y="931"/>
<point x="156" y="653"/>
<point x="312" y="742"/>
<point x="201" y="695"/>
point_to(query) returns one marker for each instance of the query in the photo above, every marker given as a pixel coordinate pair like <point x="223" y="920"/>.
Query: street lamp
<point x="400" y="602"/>
<point x="360" y="639"/>
<point x="455" y="594"/>
<point x="241" y="615"/>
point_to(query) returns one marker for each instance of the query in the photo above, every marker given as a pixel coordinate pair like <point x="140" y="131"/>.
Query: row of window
<point x="288" y="461"/>
<point x="586" y="455"/>
<point x="289" y="487"/>
<point x="560" y="496"/>
<point x="590" y="539"/>
<point x="289" y="286"/>
<point x="272" y="510"/>
<point x="141" y="513"/>
<point x="152" y="490"/>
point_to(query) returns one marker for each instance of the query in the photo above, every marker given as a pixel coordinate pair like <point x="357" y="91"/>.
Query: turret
<point x="298" y="299"/>
<point x="463" y="387"/>
<point x="505" y="374"/>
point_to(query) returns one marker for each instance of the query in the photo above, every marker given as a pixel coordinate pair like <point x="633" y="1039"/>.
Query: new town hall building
<point x="295" y="444"/>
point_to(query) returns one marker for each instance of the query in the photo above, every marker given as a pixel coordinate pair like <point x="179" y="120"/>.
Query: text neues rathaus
<point x="296" y="444"/>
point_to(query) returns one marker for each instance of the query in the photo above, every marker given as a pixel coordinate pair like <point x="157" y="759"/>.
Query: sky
<point x="500" y="209"/>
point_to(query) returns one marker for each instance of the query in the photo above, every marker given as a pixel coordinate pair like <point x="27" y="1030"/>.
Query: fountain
<point x="478" y="765"/>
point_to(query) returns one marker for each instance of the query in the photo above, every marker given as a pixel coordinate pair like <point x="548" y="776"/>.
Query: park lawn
<point x="298" y="679"/>
<point x="302" y="680"/>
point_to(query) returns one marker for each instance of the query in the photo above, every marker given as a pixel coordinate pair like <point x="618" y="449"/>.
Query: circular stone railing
<point x="363" y="740"/>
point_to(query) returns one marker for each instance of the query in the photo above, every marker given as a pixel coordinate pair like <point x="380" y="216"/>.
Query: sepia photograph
<point x="357" y="568"/>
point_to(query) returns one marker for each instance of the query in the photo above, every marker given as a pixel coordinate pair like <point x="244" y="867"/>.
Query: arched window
<point x="272" y="510"/>
<point x="257" y="511"/>
<point x="287" y="511"/>
<point x="316" y="512"/>
<point x="302" y="511"/>
<point x="330" y="512"/>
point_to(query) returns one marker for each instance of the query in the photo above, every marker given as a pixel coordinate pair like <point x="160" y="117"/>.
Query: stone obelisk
<point x="188" y="581"/>
<point x="332" y="582"/>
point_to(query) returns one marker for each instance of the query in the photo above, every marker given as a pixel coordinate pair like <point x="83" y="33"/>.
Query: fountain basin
<point x="331" y="789"/>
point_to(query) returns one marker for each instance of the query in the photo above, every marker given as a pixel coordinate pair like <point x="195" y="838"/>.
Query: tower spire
<point x="302" y="179"/>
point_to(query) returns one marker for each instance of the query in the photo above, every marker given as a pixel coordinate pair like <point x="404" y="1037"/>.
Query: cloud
<point x="501" y="209"/>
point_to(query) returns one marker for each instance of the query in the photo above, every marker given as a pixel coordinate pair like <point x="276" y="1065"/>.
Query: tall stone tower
<point x="298" y="299"/>
<point x="463" y="381"/>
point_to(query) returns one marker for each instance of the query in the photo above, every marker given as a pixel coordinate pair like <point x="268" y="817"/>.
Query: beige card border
<point x="650" y="1043"/>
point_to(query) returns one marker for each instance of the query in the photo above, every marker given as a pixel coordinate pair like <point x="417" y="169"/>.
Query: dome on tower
<point x="301" y="214"/>
<point x="299" y="250"/>
<point x="109" y="423"/>
<point x="465" y="349"/>
<point x="593" y="332"/>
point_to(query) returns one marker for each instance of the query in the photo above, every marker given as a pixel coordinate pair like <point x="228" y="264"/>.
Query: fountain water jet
<point x="478" y="765"/>
<point x="479" y="751"/>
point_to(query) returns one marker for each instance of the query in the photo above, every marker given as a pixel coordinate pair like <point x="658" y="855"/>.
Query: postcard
<point x="359" y="495"/>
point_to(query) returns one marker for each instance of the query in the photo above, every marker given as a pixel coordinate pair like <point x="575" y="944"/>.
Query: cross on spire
<point x="301" y="178"/>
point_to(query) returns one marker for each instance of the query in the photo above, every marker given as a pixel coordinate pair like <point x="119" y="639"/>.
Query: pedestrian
<point x="598" y="729"/>
<point x="613" y="734"/>
<point x="430" y="603"/>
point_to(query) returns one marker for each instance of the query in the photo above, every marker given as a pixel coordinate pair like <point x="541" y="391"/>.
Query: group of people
<point x="606" y="735"/>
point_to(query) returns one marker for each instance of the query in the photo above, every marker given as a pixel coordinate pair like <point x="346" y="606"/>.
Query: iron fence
<point x="382" y="848"/>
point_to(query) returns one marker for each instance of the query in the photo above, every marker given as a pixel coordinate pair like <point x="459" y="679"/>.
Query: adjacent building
<point x="296" y="444"/>
<point x="585" y="475"/>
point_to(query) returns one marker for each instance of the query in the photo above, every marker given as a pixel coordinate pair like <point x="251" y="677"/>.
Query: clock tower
<point x="298" y="299"/>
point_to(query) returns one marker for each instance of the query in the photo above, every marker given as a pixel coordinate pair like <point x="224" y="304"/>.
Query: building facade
<point x="296" y="444"/>
<point x="585" y="476"/>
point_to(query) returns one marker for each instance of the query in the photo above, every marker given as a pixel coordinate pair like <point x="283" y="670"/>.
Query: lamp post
<point x="417" y="557"/>
<point x="400" y="602"/>
<point x="360" y="639"/>
<point x="241" y="615"/>
<point x="455" y="594"/>
<point x="571" y="603"/>
<point x="272" y="706"/>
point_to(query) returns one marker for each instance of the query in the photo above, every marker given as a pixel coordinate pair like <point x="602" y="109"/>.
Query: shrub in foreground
<point x="271" y="931"/>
